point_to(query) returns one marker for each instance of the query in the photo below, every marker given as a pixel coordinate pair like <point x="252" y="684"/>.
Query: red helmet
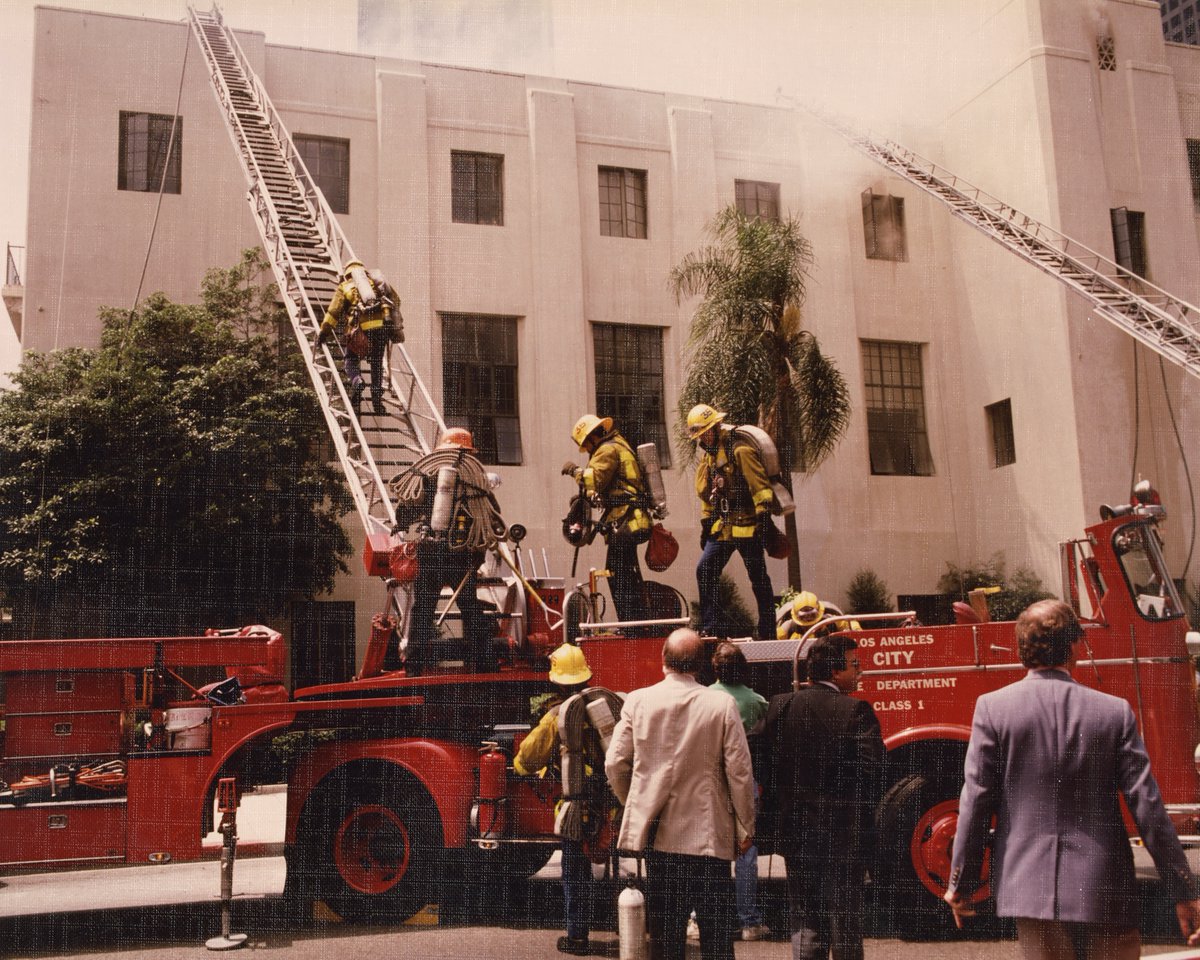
<point x="458" y="437"/>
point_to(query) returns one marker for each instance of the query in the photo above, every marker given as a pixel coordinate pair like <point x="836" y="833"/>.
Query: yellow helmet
<point x="350" y="265"/>
<point x="458" y="437"/>
<point x="568" y="666"/>
<point x="588" y="424"/>
<point x="807" y="609"/>
<point x="700" y="418"/>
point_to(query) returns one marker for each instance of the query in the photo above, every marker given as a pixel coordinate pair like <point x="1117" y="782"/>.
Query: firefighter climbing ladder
<point x="1164" y="323"/>
<point x="306" y="247"/>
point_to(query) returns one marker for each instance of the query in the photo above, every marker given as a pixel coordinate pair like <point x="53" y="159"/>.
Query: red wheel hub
<point x="933" y="845"/>
<point x="371" y="849"/>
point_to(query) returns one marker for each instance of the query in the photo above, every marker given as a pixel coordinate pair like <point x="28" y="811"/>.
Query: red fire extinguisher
<point x="493" y="790"/>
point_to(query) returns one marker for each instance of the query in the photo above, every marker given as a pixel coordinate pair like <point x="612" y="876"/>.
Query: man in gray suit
<point x="1050" y="758"/>
<point x="680" y="763"/>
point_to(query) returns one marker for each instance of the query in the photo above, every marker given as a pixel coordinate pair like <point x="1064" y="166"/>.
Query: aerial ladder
<point x="306" y="247"/>
<point x="1149" y="314"/>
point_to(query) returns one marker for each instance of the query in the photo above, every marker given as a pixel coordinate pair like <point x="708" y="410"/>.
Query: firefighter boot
<point x="356" y="394"/>
<point x="377" y="401"/>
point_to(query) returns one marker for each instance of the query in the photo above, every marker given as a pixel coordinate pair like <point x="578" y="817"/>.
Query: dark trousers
<point x="376" y="345"/>
<point x="625" y="584"/>
<point x="708" y="576"/>
<point x="576" y="881"/>
<point x="824" y="908"/>
<point x="677" y="884"/>
<point x="437" y="567"/>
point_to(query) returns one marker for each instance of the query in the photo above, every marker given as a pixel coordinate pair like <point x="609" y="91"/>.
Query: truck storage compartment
<point x="94" y="733"/>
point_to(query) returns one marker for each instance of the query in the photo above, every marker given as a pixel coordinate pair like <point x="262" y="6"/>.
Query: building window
<point x="896" y="409"/>
<point x="757" y="199"/>
<point x="1106" y="53"/>
<point x="1193" y="156"/>
<point x="477" y="187"/>
<point x="1129" y="239"/>
<point x="622" y="202"/>
<point x="629" y="383"/>
<point x="328" y="161"/>
<point x="479" y="383"/>
<point x="1000" y="429"/>
<point x="146" y="148"/>
<point x="883" y="226"/>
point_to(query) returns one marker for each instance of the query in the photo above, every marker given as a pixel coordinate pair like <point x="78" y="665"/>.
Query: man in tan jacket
<point x="680" y="764"/>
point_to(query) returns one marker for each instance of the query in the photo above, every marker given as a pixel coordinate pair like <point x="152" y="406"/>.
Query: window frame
<point x="169" y="175"/>
<point x="743" y="202"/>
<point x="634" y="395"/>
<point x="884" y="229"/>
<point x="339" y="202"/>
<point x="481" y="386"/>
<point x="1000" y="433"/>
<point x="1129" y="241"/>
<point x="897" y="426"/>
<point x="469" y="203"/>
<point x="631" y="188"/>
<point x="1192" y="146"/>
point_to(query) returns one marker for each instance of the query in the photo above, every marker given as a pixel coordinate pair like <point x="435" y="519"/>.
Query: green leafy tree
<point x="171" y="479"/>
<point x="748" y="353"/>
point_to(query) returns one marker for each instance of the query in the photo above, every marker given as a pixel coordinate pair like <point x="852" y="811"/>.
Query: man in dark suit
<point x="1050" y="758"/>
<point x="822" y="773"/>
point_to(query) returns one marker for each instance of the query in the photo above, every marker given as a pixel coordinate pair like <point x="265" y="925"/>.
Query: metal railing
<point x="14" y="266"/>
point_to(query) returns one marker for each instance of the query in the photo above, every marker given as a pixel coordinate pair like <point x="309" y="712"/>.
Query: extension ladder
<point x="306" y="248"/>
<point x="1164" y="323"/>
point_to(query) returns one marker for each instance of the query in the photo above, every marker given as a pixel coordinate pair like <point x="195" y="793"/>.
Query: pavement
<point x="168" y="911"/>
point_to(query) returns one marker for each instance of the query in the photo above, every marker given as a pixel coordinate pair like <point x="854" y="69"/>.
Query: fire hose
<point x="488" y="527"/>
<point x="107" y="777"/>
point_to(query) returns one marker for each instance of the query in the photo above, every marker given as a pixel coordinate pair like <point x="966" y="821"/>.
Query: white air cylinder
<point x="602" y="720"/>
<point x="443" y="499"/>
<point x="631" y="923"/>
<point x="362" y="283"/>
<point x="647" y="454"/>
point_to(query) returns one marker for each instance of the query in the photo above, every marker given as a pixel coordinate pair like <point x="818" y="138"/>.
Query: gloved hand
<point x="570" y="469"/>
<point x="705" y="533"/>
<point x="324" y="336"/>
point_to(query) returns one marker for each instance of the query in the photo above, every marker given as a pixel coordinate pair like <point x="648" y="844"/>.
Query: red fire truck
<point x="113" y="748"/>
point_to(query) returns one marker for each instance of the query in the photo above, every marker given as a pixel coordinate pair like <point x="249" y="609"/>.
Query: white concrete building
<point x="992" y="413"/>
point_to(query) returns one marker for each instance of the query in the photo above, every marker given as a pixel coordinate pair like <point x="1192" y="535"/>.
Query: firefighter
<point x="614" y="481"/>
<point x="543" y="749"/>
<point x="367" y="306"/>
<point x="807" y="610"/>
<point x="736" y="501"/>
<point x="449" y="558"/>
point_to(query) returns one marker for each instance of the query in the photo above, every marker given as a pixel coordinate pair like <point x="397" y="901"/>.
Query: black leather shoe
<point x="580" y="948"/>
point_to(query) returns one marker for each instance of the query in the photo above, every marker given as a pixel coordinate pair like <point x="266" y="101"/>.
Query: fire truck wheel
<point x="916" y="823"/>
<point x="381" y="846"/>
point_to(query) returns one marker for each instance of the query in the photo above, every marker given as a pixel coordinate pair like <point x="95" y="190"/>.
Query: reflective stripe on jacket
<point x="344" y="308"/>
<point x="614" y="475"/>
<point x="736" y="467"/>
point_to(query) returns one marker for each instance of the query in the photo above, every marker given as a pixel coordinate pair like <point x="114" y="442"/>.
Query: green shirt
<point x="751" y="706"/>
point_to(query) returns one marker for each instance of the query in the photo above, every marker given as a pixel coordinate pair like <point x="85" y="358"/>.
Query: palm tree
<point x="749" y="355"/>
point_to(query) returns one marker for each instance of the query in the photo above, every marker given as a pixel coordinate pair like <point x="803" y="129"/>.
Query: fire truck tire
<point x="380" y="847"/>
<point x="916" y="822"/>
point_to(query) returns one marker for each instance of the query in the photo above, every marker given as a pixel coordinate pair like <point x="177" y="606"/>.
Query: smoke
<point x="1097" y="13"/>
